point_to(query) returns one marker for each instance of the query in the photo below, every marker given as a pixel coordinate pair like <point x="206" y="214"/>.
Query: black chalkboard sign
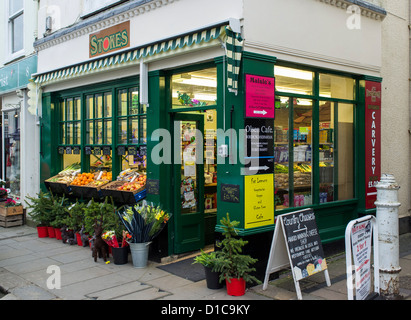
<point x="87" y="150"/>
<point x="61" y="150"/>
<point x="132" y="151"/>
<point x="106" y="151"/>
<point x="97" y="151"/>
<point x="143" y="151"/>
<point x="121" y="150"/>
<point x="304" y="243"/>
<point x="68" y="150"/>
<point x="76" y="150"/>
<point x="230" y="193"/>
<point x="153" y="186"/>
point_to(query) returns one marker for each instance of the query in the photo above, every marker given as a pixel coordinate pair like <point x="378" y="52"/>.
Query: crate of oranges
<point x="87" y="186"/>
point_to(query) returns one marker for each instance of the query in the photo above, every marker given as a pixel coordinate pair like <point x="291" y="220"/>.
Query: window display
<point x="314" y="161"/>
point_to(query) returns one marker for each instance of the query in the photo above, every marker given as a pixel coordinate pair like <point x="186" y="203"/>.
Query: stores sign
<point x="110" y="39"/>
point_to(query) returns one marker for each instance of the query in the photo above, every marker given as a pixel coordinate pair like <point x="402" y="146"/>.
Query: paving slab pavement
<point x="24" y="259"/>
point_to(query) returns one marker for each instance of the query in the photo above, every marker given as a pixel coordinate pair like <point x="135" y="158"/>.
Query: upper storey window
<point x="15" y="19"/>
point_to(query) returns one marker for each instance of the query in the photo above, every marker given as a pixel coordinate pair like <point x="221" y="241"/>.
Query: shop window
<point x="298" y="121"/>
<point x="339" y="87"/>
<point x="12" y="151"/>
<point x="292" y="80"/>
<point x="194" y="89"/>
<point x="16" y="10"/>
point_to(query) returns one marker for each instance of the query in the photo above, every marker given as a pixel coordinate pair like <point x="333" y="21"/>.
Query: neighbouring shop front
<point x="184" y="134"/>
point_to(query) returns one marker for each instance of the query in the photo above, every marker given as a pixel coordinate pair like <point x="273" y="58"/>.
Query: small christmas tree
<point x="230" y="261"/>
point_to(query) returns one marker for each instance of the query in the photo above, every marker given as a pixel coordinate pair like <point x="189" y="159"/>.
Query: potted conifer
<point x="234" y="267"/>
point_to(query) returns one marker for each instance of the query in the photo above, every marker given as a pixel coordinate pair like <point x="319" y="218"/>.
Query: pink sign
<point x="259" y="96"/>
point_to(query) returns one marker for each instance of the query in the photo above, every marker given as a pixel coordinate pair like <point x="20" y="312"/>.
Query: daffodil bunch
<point x="143" y="221"/>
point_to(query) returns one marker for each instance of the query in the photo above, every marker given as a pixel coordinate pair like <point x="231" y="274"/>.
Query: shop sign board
<point x="372" y="141"/>
<point x="296" y="243"/>
<point x="259" y="158"/>
<point x="258" y="200"/>
<point x="109" y="40"/>
<point x="230" y="193"/>
<point x="358" y="244"/>
<point x="259" y="96"/>
<point x="17" y="75"/>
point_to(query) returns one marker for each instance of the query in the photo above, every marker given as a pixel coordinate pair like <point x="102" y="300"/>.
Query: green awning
<point x="234" y="49"/>
<point x="132" y="56"/>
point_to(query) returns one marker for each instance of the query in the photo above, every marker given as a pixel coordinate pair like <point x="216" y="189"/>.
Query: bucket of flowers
<point x="143" y="221"/>
<point x="118" y="245"/>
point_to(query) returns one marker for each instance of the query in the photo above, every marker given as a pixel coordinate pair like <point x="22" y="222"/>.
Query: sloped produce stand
<point x="122" y="196"/>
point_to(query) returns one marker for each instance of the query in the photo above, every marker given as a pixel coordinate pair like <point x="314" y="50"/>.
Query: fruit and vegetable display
<point x="67" y="175"/>
<point x="138" y="183"/>
<point x="128" y="175"/>
<point x="83" y="179"/>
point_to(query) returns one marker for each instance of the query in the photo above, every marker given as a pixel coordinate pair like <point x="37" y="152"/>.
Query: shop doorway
<point x="195" y="177"/>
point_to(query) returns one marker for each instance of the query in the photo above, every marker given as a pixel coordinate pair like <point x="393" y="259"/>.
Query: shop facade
<point x="184" y="107"/>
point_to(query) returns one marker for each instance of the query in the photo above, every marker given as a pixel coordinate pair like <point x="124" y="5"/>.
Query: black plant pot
<point x="120" y="255"/>
<point x="212" y="279"/>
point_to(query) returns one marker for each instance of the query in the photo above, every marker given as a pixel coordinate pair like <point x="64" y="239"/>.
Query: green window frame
<point x="70" y="121"/>
<point x="90" y="116"/>
<point x="313" y="90"/>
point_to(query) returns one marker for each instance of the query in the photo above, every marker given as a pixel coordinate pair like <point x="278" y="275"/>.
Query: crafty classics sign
<point x="110" y="39"/>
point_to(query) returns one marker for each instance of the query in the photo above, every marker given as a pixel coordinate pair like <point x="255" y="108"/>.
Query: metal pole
<point x="388" y="235"/>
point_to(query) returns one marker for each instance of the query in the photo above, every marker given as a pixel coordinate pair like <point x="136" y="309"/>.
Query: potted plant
<point x="234" y="267"/>
<point x="207" y="260"/>
<point x="143" y="222"/>
<point x="59" y="214"/>
<point x="40" y="211"/>
<point x="75" y="219"/>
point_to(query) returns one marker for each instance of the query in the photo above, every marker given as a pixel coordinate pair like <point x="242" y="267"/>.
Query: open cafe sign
<point x="110" y="39"/>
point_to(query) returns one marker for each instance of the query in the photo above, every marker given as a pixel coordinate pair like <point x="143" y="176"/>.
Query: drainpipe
<point x="388" y="235"/>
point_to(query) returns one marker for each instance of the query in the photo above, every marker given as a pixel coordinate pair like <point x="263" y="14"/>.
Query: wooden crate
<point x="11" y="221"/>
<point x="10" y="211"/>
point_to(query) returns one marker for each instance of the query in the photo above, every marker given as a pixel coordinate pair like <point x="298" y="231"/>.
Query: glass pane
<point x="69" y="109"/>
<point x="77" y="109"/>
<point x="122" y="103"/>
<point x="14" y="6"/>
<point x="345" y="139"/>
<point x="17" y="33"/>
<point x="69" y="133"/>
<point x="326" y="151"/>
<point x="134" y="101"/>
<point x="89" y="132"/>
<point x="122" y="131"/>
<point x="99" y="132"/>
<point x="63" y="110"/>
<point x="77" y="130"/>
<point x="189" y="185"/>
<point x="133" y="130"/>
<point x="12" y="152"/>
<point x="89" y="107"/>
<point x="108" y="105"/>
<point x="336" y="87"/>
<point x="98" y="111"/>
<point x="143" y="130"/>
<point x="63" y="133"/>
<point x="281" y="168"/>
<point x="302" y="153"/>
<point x="108" y="133"/>
<point x="194" y="89"/>
<point x="293" y="80"/>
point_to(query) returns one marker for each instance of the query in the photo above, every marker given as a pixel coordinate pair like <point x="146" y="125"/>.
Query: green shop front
<point x="189" y="125"/>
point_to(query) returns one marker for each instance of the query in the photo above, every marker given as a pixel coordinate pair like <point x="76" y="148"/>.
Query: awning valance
<point x="221" y="33"/>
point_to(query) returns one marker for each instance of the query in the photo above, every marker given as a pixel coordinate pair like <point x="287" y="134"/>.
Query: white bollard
<point x="388" y="235"/>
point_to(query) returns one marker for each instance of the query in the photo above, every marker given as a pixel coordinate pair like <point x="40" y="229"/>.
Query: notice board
<point x="296" y="243"/>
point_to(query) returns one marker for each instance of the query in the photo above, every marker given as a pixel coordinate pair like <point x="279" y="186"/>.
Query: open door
<point x="188" y="182"/>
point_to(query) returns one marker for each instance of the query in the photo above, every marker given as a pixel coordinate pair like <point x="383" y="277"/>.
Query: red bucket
<point x="42" y="232"/>
<point x="51" y="232"/>
<point x="79" y="242"/>
<point x="57" y="231"/>
<point x="236" y="287"/>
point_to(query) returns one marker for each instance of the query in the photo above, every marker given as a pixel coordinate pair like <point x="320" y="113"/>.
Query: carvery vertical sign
<point x="372" y="141"/>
